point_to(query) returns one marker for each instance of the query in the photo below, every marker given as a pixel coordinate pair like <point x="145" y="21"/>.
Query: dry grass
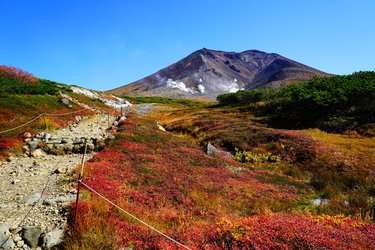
<point x="348" y="144"/>
<point x="47" y="124"/>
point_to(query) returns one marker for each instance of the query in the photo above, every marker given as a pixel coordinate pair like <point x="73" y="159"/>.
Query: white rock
<point x="38" y="153"/>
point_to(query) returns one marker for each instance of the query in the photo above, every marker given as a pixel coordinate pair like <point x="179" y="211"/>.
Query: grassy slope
<point x="19" y="109"/>
<point x="203" y="201"/>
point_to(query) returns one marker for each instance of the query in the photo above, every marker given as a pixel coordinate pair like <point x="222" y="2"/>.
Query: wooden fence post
<point x="80" y="178"/>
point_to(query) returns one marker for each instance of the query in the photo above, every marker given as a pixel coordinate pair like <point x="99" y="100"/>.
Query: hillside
<point x="206" y="176"/>
<point x="281" y="188"/>
<point x="24" y="97"/>
<point x="209" y="73"/>
<point x="335" y="104"/>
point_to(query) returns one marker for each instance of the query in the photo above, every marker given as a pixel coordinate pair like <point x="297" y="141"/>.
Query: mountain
<point x="210" y="72"/>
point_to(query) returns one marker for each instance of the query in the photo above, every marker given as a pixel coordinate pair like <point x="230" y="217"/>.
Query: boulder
<point x="5" y="241"/>
<point x="31" y="236"/>
<point x="62" y="199"/>
<point x="33" y="144"/>
<point x="211" y="150"/>
<point x="65" y="101"/>
<point x="53" y="238"/>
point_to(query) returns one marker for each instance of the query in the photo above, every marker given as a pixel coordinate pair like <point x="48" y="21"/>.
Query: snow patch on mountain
<point x="178" y="85"/>
<point x="113" y="101"/>
<point x="85" y="92"/>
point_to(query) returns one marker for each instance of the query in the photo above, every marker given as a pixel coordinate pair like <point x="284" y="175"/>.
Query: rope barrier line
<point x="42" y="114"/>
<point x="22" y="125"/>
<point x="35" y="203"/>
<point x="77" y="111"/>
<point x="134" y="217"/>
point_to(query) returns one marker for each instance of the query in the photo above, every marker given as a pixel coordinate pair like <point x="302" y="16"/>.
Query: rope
<point x="77" y="111"/>
<point x="20" y="126"/>
<point x="35" y="203"/>
<point x="42" y="114"/>
<point x="132" y="216"/>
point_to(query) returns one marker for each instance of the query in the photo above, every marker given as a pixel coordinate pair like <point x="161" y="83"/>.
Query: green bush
<point x="12" y="86"/>
<point x="336" y="103"/>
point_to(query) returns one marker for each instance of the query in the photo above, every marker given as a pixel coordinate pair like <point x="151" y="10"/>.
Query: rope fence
<point x="42" y="114"/>
<point x="132" y="216"/>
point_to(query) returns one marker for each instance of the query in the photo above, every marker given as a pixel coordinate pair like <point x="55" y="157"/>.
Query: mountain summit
<point x="210" y="73"/>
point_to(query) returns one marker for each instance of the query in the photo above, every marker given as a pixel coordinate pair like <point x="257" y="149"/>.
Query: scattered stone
<point x="33" y="144"/>
<point x="37" y="153"/>
<point x="66" y="140"/>
<point x="27" y="135"/>
<point x="10" y="159"/>
<point x="31" y="235"/>
<point x="32" y="198"/>
<point x="4" y="229"/>
<point x="65" y="101"/>
<point x="234" y="169"/>
<point x="111" y="137"/>
<point x="90" y="147"/>
<point x="20" y="243"/>
<point x="5" y="241"/>
<point x="15" y="181"/>
<point x="53" y="238"/>
<point x="25" y="149"/>
<point x="78" y="118"/>
<point x="3" y="205"/>
<point x="211" y="150"/>
<point x="17" y="238"/>
<point x="160" y="127"/>
<point x="61" y="199"/>
<point x="60" y="170"/>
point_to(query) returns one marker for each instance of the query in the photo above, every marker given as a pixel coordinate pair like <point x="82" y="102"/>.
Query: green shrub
<point x="336" y="103"/>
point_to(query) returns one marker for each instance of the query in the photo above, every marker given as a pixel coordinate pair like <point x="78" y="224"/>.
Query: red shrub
<point x="20" y="75"/>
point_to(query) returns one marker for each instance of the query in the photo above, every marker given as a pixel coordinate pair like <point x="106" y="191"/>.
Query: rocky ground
<point x="39" y="187"/>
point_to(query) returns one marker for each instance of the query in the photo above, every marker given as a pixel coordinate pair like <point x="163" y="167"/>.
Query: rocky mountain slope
<point x="209" y="73"/>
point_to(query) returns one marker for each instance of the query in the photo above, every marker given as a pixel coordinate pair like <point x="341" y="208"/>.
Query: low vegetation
<point x="24" y="97"/>
<point x="14" y="81"/>
<point x="334" y="104"/>
<point x="263" y="197"/>
<point x="162" y="100"/>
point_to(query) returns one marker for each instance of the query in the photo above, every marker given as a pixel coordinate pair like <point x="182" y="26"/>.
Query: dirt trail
<point x="23" y="179"/>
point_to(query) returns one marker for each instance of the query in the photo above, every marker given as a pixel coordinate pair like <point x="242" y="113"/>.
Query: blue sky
<point x="108" y="43"/>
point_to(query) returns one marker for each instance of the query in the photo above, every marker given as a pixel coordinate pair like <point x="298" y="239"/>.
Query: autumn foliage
<point x="202" y="201"/>
<point x="10" y="72"/>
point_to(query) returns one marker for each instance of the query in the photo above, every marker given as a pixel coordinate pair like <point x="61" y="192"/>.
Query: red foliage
<point x="6" y="143"/>
<point x="129" y="145"/>
<point x="20" y="75"/>
<point x="183" y="192"/>
<point x="282" y="231"/>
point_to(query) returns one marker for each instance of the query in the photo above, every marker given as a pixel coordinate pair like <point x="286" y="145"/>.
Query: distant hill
<point x="210" y="73"/>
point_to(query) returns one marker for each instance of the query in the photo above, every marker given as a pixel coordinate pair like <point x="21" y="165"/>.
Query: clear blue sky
<point x="108" y="43"/>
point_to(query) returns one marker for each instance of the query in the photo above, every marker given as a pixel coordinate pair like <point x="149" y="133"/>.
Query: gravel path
<point x="23" y="179"/>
